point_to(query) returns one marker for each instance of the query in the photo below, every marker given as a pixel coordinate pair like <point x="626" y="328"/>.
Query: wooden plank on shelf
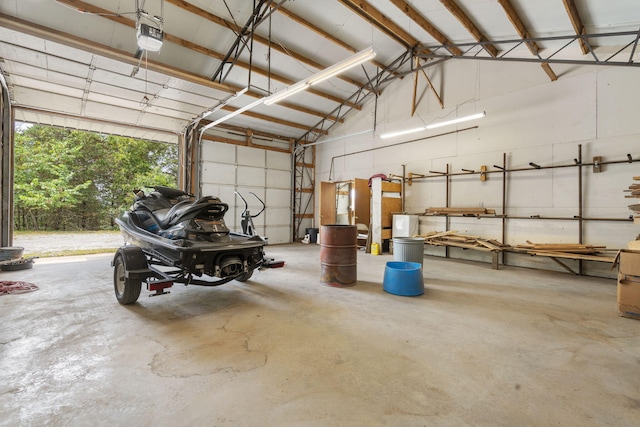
<point x="495" y="242"/>
<point x="488" y="244"/>
<point x="392" y="187"/>
<point x="573" y="256"/>
<point x="462" y="238"/>
<point x="436" y="234"/>
<point x="564" y="248"/>
<point x="469" y="246"/>
<point x="456" y="210"/>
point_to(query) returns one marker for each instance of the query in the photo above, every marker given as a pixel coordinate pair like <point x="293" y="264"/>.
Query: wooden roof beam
<point x="65" y="39"/>
<point x="203" y="50"/>
<point x="522" y="30"/>
<point x="470" y="26"/>
<point x="236" y="28"/>
<point x="416" y="17"/>
<point x="519" y="25"/>
<point x="574" y="16"/>
<point x="382" y="22"/>
<point x="296" y="18"/>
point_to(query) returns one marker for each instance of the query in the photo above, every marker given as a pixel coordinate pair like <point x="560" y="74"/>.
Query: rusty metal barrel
<point x="338" y="255"/>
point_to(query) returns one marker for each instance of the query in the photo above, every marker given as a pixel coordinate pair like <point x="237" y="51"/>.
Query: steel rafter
<point x="301" y="169"/>
<point x="474" y="50"/>
<point x="244" y="39"/>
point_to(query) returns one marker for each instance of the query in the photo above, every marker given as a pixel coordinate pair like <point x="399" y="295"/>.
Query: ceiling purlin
<point x="270" y="119"/>
<point x="522" y="30"/>
<point x="242" y="131"/>
<point x="574" y="16"/>
<point x="470" y="26"/>
<point x="412" y="13"/>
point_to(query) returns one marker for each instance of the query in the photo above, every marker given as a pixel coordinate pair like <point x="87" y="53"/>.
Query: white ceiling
<point x="70" y="68"/>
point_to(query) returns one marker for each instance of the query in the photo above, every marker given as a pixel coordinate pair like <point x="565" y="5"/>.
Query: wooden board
<point x="390" y="205"/>
<point x="459" y="211"/>
<point x="452" y="238"/>
<point x="393" y="187"/>
<point x="573" y="256"/>
<point x="362" y="202"/>
<point x="327" y="203"/>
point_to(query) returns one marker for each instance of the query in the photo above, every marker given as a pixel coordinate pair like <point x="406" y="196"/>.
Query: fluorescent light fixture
<point x="222" y="103"/>
<point x="334" y="70"/>
<point x="233" y="114"/>
<point x="323" y="75"/>
<point x="401" y="132"/>
<point x="433" y="125"/>
<point x="355" y="60"/>
<point x="285" y="93"/>
<point x="457" y="120"/>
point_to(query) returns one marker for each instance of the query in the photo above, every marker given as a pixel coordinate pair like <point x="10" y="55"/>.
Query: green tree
<point x="44" y="179"/>
<point x="67" y="179"/>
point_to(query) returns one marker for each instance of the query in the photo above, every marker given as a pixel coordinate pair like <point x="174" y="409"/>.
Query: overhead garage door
<point x="227" y="168"/>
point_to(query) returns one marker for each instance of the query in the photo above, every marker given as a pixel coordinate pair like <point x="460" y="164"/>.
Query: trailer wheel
<point x="245" y="276"/>
<point x="127" y="289"/>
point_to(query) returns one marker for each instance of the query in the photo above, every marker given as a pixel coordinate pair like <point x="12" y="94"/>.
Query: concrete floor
<point x="480" y="347"/>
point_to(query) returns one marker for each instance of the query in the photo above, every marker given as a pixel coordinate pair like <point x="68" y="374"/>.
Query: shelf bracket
<point x="597" y="164"/>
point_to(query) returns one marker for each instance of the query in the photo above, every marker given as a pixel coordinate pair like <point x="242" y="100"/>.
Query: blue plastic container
<point x="403" y="278"/>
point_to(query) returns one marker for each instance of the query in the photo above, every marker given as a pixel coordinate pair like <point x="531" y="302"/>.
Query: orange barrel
<point x="338" y="255"/>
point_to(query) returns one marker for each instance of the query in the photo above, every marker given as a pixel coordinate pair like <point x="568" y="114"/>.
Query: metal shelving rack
<point x="596" y="164"/>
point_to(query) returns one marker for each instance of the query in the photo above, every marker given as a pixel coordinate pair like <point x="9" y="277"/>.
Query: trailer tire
<point x="245" y="276"/>
<point x="127" y="289"/>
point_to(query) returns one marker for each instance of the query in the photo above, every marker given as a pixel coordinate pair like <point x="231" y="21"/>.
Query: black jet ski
<point x="173" y="237"/>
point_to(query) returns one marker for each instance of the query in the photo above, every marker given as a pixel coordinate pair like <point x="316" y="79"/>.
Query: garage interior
<point x="505" y="130"/>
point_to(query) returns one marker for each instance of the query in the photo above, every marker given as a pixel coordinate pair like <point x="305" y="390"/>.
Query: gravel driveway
<point x="51" y="243"/>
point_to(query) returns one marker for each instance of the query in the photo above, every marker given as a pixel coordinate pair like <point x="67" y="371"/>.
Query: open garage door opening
<point x="71" y="180"/>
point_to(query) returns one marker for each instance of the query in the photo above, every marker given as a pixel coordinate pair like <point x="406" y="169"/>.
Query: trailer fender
<point x="135" y="262"/>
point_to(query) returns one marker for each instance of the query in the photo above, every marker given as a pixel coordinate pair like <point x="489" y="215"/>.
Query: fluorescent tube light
<point x="222" y="103"/>
<point x="401" y="132"/>
<point x="233" y="114"/>
<point x="457" y="120"/>
<point x="334" y="70"/>
<point x="433" y="125"/>
<point x="355" y="60"/>
<point x="285" y="93"/>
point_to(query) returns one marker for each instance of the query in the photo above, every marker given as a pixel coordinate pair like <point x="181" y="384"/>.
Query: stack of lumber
<point x="566" y="250"/>
<point x="453" y="238"/>
<point x="634" y="189"/>
<point x="459" y="211"/>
